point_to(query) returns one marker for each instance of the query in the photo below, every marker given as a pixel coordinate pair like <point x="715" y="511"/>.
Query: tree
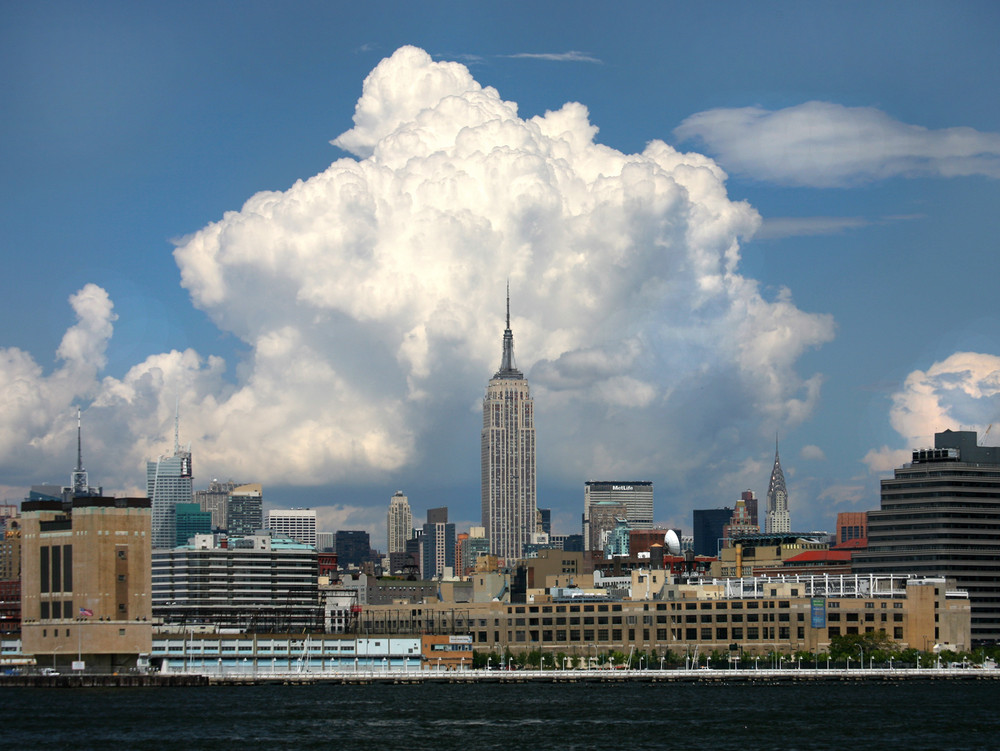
<point x="875" y="644"/>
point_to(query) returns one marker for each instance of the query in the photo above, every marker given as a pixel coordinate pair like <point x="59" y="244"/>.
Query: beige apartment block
<point x="86" y="582"/>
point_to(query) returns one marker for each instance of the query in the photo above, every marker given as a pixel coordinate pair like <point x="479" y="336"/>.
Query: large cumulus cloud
<point x="371" y="299"/>
<point x="961" y="392"/>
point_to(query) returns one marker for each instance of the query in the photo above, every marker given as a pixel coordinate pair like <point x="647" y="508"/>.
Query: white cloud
<point x="812" y="452"/>
<point x="781" y="227"/>
<point x="370" y="297"/>
<point x="885" y="459"/>
<point x="572" y="56"/>
<point x="961" y="392"/>
<point x="822" y="144"/>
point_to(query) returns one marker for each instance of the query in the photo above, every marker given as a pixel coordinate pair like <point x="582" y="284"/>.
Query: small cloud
<point x="822" y="144"/>
<point x="885" y="459"/>
<point x="781" y="227"/>
<point x="812" y="452"/>
<point x="368" y="47"/>
<point x="845" y="494"/>
<point x="573" y="56"/>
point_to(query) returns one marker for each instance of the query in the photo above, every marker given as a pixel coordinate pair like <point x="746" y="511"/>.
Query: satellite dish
<point x="673" y="543"/>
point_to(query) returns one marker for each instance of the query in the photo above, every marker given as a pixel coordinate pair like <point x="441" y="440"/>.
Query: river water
<point x="866" y="714"/>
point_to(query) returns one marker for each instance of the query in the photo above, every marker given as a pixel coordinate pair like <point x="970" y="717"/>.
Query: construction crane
<point x="982" y="438"/>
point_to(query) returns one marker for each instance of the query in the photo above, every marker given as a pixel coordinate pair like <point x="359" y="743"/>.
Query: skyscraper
<point x="777" y="519"/>
<point x="215" y="499"/>
<point x="438" y="544"/>
<point x="298" y="524"/>
<point x="636" y="496"/>
<point x="190" y="520"/>
<point x="398" y="523"/>
<point x="508" y="456"/>
<point x="939" y="516"/>
<point x="245" y="509"/>
<point x="168" y="482"/>
<point x="709" y="529"/>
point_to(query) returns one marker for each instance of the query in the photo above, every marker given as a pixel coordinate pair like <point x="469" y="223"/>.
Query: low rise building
<point x="256" y="583"/>
<point x="760" y="615"/>
<point x="85" y="585"/>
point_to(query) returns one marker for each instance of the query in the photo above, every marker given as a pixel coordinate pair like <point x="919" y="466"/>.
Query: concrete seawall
<point x="792" y="675"/>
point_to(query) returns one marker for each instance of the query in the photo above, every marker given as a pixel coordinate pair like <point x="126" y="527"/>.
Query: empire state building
<point x="508" y="456"/>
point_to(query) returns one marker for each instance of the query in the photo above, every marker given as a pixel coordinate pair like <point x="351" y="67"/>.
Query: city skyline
<point x="702" y="253"/>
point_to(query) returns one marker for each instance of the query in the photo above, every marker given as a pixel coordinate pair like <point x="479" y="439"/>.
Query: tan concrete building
<point x="86" y="581"/>
<point x="760" y="615"/>
<point x="747" y="554"/>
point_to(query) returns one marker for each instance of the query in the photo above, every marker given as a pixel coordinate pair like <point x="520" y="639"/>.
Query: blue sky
<point x="861" y="144"/>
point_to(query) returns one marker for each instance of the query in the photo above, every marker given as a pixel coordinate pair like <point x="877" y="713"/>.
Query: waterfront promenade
<point x="622" y="676"/>
<point x="739" y="675"/>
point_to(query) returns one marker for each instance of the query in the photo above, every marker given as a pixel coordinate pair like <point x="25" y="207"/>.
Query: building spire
<point x="177" y="425"/>
<point x="507" y="367"/>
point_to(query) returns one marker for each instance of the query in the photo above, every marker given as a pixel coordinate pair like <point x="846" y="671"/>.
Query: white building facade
<point x="298" y="524"/>
<point x="398" y="523"/>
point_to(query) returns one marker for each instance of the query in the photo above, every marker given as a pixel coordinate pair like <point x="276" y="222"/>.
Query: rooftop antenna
<point x="79" y="480"/>
<point x="79" y="441"/>
<point x="177" y="424"/>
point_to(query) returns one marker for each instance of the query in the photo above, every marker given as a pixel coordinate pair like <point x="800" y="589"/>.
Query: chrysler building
<point x="777" y="519"/>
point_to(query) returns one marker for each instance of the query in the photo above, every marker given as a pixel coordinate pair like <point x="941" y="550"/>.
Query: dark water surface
<point x="862" y="715"/>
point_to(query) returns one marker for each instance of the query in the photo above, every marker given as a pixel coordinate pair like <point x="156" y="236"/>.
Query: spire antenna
<point x="177" y="424"/>
<point x="507" y="367"/>
<point x="508" y="303"/>
<point x="79" y="441"/>
<point x="79" y="483"/>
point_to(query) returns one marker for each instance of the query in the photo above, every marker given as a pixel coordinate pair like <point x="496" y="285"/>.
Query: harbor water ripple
<point x="721" y="716"/>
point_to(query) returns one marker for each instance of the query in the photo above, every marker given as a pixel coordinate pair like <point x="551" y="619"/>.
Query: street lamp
<point x="861" y="649"/>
